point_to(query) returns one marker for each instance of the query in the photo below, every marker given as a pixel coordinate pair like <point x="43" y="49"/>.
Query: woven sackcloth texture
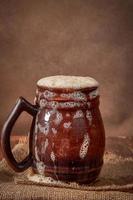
<point x="114" y="182"/>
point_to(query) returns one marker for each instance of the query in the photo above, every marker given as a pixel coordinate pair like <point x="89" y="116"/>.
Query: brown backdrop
<point x="72" y="37"/>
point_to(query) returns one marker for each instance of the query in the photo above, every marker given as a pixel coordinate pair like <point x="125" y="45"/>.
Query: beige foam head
<point x="70" y="82"/>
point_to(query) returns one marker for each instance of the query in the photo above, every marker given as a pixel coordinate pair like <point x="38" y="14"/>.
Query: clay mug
<point x="67" y="137"/>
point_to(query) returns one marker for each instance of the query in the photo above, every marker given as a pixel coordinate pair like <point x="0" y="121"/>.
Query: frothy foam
<point x="70" y="82"/>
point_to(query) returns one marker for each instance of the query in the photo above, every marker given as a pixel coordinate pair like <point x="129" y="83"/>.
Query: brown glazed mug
<point x="67" y="137"/>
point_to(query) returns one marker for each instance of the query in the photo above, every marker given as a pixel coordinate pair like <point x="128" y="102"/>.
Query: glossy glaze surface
<point x="68" y="137"/>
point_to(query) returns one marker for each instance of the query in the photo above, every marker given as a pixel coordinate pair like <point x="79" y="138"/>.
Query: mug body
<point x="68" y="137"/>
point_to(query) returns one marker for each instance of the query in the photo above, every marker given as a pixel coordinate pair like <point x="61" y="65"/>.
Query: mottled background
<point x="72" y="37"/>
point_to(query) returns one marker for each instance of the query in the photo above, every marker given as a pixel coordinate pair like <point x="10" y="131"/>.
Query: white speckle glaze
<point x="70" y="104"/>
<point x="40" y="167"/>
<point x="52" y="155"/>
<point x="78" y="95"/>
<point x="54" y="104"/>
<point x="58" y="118"/>
<point x="67" y="125"/>
<point x="43" y="103"/>
<point x="44" y="129"/>
<point x="89" y="116"/>
<point x="94" y="94"/>
<point x="84" y="146"/>
<point x="78" y="114"/>
<point x="48" y="94"/>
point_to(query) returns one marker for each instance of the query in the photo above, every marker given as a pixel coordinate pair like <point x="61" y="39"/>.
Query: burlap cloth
<point x="114" y="182"/>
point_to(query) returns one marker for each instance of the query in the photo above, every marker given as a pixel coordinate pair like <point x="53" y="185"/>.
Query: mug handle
<point x="21" y="105"/>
